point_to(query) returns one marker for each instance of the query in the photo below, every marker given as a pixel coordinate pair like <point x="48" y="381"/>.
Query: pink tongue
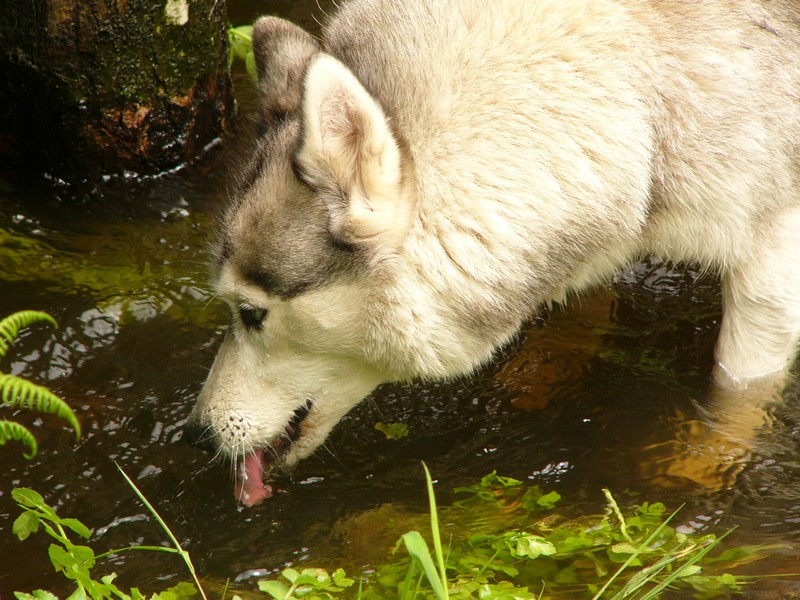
<point x="250" y="486"/>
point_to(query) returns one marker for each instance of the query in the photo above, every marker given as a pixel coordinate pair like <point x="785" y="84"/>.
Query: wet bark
<point x="90" y="88"/>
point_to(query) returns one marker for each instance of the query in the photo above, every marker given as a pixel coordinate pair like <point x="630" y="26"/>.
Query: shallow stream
<point x="611" y="391"/>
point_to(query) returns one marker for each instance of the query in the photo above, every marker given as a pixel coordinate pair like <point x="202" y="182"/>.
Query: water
<point x="610" y="391"/>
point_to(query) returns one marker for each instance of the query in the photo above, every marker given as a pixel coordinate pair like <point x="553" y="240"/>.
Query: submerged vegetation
<point x="505" y="540"/>
<point x="508" y="542"/>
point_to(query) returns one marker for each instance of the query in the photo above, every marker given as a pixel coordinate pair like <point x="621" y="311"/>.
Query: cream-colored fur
<point x="475" y="159"/>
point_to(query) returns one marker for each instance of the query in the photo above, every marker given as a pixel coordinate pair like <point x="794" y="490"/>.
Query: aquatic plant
<point x="19" y="392"/>
<point x="512" y="544"/>
<point x="515" y="546"/>
<point x="76" y="562"/>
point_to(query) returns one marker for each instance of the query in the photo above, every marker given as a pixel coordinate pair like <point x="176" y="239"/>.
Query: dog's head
<point x="310" y="234"/>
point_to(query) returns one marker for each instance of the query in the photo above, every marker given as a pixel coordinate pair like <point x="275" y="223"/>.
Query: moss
<point x="160" y="57"/>
<point x="106" y="86"/>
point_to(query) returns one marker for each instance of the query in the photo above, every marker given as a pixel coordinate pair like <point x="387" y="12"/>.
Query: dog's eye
<point x="252" y="318"/>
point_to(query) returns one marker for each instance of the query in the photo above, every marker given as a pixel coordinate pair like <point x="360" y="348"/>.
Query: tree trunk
<point x="102" y="87"/>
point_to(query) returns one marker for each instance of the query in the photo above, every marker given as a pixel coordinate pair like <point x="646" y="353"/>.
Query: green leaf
<point x="549" y="500"/>
<point x="25" y="525"/>
<point x="16" y="391"/>
<point x="729" y="580"/>
<point x="290" y="575"/>
<point x="494" y="481"/>
<point x="341" y="579"/>
<point x="740" y="555"/>
<point x="107" y="589"/>
<point x="62" y="560"/>
<point x="32" y="503"/>
<point x="535" y="501"/>
<point x="572" y="544"/>
<point x="533" y="546"/>
<point x="250" y="66"/>
<point x="78" y="594"/>
<point x="184" y="589"/>
<point x="505" y="590"/>
<point x="78" y="527"/>
<point x="316" y="578"/>
<point x="624" y="548"/>
<point x="687" y="571"/>
<point x="36" y="595"/>
<point x="28" y="498"/>
<point x="11" y="430"/>
<point x="274" y="588"/>
<point x="10" y="326"/>
<point x="83" y="554"/>
<point x="241" y="40"/>
<point x="392" y="431"/>
<point x="437" y="540"/>
<point x="418" y="550"/>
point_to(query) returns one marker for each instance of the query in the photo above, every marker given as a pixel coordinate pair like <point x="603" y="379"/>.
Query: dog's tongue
<point x="250" y="486"/>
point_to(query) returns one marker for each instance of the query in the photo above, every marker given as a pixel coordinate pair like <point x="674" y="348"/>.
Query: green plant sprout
<point x="76" y="561"/>
<point x="18" y="392"/>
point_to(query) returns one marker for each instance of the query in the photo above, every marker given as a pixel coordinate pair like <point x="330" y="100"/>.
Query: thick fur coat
<point x="431" y="173"/>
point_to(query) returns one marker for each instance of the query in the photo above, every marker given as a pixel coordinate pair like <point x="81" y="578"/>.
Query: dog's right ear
<point x="350" y="153"/>
<point x="282" y="51"/>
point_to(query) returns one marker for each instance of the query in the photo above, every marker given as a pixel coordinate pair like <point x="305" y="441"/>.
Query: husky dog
<point x="431" y="173"/>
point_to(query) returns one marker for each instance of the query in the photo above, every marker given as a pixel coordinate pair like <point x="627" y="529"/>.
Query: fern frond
<point x="16" y="391"/>
<point x="10" y="430"/>
<point x="10" y="326"/>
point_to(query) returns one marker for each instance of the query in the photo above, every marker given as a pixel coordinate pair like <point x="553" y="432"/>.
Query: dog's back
<point x="583" y="133"/>
<point x="627" y="110"/>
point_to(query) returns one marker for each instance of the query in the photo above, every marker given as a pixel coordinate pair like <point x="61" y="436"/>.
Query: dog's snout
<point x="200" y="436"/>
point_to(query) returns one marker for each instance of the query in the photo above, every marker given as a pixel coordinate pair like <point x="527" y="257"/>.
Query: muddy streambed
<point x="610" y="391"/>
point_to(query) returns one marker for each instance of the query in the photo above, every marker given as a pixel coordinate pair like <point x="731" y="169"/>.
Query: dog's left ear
<point x="350" y="154"/>
<point x="282" y="52"/>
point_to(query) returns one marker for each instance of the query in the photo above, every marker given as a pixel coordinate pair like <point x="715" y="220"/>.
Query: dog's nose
<point x="200" y="436"/>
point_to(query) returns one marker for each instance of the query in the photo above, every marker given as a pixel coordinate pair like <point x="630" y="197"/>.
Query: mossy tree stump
<point x="103" y="87"/>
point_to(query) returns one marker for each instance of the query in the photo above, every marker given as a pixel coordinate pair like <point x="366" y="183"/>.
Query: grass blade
<point x="677" y="572"/>
<point x="437" y="540"/>
<point x="633" y="556"/>
<point x="184" y="555"/>
<point x="418" y="549"/>
<point x="404" y="594"/>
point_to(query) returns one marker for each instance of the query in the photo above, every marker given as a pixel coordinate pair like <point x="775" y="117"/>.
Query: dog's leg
<point x="761" y="307"/>
<point x="756" y="347"/>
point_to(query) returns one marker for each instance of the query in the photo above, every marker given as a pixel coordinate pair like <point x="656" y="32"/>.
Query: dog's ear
<point x="282" y="51"/>
<point x="351" y="155"/>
